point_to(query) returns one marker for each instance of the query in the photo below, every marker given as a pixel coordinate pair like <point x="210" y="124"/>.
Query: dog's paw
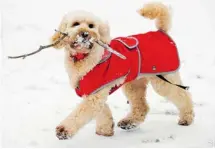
<point x="106" y="134"/>
<point x="105" y="130"/>
<point x="183" y="123"/>
<point x="186" y="119"/>
<point x="62" y="133"/>
<point x="127" y="124"/>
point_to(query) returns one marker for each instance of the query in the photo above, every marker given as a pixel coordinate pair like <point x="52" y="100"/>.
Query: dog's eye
<point x="75" y="24"/>
<point x="91" y="25"/>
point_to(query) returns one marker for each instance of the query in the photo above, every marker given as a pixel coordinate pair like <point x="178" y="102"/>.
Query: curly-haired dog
<point x="85" y="70"/>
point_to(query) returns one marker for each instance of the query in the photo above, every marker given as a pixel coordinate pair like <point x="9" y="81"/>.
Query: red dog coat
<point x="149" y="53"/>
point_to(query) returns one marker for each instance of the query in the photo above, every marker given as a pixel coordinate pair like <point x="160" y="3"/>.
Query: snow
<point x="36" y="94"/>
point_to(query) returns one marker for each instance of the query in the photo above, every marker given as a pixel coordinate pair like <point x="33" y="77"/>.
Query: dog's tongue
<point x="79" y="56"/>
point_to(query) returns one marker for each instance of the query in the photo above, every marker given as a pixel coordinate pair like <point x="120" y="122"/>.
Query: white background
<point x="36" y="94"/>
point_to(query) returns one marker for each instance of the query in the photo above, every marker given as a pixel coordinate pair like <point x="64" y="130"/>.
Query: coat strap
<point x="164" y="79"/>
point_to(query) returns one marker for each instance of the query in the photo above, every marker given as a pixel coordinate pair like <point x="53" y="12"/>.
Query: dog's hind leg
<point x="135" y="91"/>
<point x="179" y="97"/>
<point x="104" y="122"/>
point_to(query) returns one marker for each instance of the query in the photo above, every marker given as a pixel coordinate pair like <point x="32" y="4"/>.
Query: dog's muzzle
<point x="83" y="40"/>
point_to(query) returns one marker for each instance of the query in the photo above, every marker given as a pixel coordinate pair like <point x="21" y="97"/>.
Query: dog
<point x="84" y="65"/>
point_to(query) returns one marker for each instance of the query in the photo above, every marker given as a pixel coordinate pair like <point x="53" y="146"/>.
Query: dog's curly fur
<point x="94" y="106"/>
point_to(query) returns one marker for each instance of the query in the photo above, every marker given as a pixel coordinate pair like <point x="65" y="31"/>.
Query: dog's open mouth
<point x="83" y="41"/>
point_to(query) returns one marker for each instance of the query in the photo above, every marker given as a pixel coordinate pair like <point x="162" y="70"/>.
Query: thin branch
<point x="41" y="47"/>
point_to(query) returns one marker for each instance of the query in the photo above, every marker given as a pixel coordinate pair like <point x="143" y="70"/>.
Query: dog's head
<point x="81" y="27"/>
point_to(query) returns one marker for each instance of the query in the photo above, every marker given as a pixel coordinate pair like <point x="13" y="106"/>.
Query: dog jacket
<point x="151" y="53"/>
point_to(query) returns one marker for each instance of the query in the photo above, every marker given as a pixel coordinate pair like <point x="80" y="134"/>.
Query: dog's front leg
<point x="86" y="111"/>
<point x="104" y="122"/>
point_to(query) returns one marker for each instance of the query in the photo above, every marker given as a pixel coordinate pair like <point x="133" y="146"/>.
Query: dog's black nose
<point x="84" y="34"/>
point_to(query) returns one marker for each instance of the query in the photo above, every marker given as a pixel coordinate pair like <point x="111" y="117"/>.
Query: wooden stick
<point x="40" y="48"/>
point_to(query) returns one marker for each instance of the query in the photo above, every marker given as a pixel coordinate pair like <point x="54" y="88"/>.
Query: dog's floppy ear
<point x="57" y="35"/>
<point x="104" y="31"/>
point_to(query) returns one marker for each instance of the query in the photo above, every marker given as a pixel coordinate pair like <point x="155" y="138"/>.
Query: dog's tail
<point x="157" y="11"/>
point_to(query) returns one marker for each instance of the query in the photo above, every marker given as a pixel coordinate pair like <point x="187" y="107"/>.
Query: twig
<point x="107" y="47"/>
<point x="41" y="47"/>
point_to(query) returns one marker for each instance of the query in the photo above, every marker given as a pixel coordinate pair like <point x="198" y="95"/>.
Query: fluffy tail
<point x="157" y="11"/>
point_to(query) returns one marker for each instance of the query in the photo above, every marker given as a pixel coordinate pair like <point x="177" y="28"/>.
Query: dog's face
<point x="82" y="27"/>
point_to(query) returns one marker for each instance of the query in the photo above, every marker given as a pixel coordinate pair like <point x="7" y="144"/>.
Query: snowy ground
<point x="37" y="96"/>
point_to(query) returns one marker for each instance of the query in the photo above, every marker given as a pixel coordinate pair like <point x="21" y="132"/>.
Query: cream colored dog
<point x="94" y="106"/>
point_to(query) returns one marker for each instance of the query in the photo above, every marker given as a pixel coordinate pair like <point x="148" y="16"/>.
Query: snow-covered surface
<point x="36" y="94"/>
